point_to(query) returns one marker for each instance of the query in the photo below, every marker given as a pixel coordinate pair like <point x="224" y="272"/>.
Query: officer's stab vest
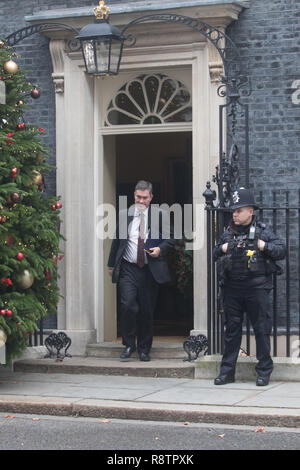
<point x="248" y="261"/>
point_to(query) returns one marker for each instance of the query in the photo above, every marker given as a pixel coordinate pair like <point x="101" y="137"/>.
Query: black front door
<point x="165" y="159"/>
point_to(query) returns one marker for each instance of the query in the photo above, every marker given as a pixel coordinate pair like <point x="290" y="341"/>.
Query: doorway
<point x="165" y="159"/>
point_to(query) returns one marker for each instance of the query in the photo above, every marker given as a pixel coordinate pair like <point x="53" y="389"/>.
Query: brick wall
<point x="268" y="36"/>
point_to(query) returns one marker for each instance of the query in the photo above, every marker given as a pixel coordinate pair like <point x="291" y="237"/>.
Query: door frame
<point x="205" y="150"/>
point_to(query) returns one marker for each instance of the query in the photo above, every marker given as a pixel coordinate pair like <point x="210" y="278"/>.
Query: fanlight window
<point x="150" y="99"/>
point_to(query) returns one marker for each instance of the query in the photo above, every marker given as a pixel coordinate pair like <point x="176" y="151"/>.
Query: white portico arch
<point x="85" y="172"/>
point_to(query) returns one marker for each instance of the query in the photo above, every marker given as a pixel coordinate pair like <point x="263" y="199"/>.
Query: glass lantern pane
<point x="102" y="55"/>
<point x="115" y="53"/>
<point x="88" y="51"/>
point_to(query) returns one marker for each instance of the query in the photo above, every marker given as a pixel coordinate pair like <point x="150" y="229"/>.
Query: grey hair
<point x="143" y="186"/>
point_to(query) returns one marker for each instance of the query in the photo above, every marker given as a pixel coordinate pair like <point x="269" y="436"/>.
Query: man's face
<point x="142" y="198"/>
<point x="243" y="215"/>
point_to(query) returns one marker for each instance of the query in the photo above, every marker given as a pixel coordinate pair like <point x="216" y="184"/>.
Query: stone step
<point x="172" y="368"/>
<point x="159" y="350"/>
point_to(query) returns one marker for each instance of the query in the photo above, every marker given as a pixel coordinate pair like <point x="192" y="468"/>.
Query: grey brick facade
<point x="268" y="36"/>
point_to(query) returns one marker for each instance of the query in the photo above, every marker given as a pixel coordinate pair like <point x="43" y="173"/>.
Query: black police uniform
<point x="246" y="274"/>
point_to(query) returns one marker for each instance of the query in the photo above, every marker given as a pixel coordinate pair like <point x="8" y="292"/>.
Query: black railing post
<point x="41" y="332"/>
<point x="288" y="320"/>
<point x="274" y="283"/>
<point x="298" y="214"/>
<point x="209" y="196"/>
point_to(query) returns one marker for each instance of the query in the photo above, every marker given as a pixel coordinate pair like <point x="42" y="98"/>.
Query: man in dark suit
<point x="137" y="263"/>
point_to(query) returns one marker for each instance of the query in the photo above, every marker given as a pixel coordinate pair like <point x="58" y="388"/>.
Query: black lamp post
<point x="102" y="44"/>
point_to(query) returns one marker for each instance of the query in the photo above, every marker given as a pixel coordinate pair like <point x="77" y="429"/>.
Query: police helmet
<point x="242" y="197"/>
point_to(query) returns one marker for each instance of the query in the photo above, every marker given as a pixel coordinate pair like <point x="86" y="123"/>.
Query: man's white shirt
<point x="130" y="253"/>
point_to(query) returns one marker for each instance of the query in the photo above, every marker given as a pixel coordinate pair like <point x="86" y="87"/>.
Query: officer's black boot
<point x="262" y="381"/>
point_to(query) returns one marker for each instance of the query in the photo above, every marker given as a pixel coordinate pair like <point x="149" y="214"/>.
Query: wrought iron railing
<point x="37" y="337"/>
<point x="282" y="213"/>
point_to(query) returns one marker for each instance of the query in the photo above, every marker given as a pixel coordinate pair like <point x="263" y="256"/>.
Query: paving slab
<point x="150" y="398"/>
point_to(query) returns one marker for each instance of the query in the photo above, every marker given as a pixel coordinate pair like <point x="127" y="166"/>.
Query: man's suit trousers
<point x="138" y="293"/>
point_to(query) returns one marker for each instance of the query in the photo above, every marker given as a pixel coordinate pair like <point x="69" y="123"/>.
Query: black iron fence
<point x="37" y="337"/>
<point x="281" y="211"/>
<point x="45" y="326"/>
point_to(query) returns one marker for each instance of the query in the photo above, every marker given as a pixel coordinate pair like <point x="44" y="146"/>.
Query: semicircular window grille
<point x="150" y="99"/>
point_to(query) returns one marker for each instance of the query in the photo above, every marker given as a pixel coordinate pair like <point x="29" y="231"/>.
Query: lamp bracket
<point x="24" y="33"/>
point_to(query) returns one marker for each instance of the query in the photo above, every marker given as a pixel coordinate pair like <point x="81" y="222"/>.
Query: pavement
<point x="59" y="390"/>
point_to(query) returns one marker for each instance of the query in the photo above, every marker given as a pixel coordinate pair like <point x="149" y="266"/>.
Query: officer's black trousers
<point x="256" y="304"/>
<point x="138" y="295"/>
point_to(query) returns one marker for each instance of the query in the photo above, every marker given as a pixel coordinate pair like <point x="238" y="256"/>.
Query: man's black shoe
<point x="262" y="381"/>
<point x="144" y="357"/>
<point x="223" y="379"/>
<point x="127" y="352"/>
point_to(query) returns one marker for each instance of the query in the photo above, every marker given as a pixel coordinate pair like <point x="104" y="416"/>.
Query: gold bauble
<point x="10" y="67"/>
<point x="25" y="280"/>
<point x="37" y="179"/>
<point x="3" y="338"/>
<point x="2" y="43"/>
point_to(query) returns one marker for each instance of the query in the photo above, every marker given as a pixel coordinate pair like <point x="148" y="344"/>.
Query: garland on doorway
<point x="182" y="266"/>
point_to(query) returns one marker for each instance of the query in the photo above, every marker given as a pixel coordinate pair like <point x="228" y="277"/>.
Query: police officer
<point x="246" y="254"/>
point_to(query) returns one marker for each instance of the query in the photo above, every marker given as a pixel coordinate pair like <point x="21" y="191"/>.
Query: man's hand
<point x="110" y="271"/>
<point x="261" y="245"/>
<point x="154" y="252"/>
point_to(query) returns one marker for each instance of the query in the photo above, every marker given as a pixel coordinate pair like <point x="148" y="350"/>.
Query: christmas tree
<point x="29" y="220"/>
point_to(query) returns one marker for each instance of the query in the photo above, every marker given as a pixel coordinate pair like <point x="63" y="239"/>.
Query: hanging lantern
<point x="102" y="44"/>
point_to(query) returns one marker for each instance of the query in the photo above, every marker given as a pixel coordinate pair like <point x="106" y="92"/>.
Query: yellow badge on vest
<point x="250" y="253"/>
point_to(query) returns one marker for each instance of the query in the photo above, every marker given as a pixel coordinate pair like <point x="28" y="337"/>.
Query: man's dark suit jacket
<point x="160" y="233"/>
